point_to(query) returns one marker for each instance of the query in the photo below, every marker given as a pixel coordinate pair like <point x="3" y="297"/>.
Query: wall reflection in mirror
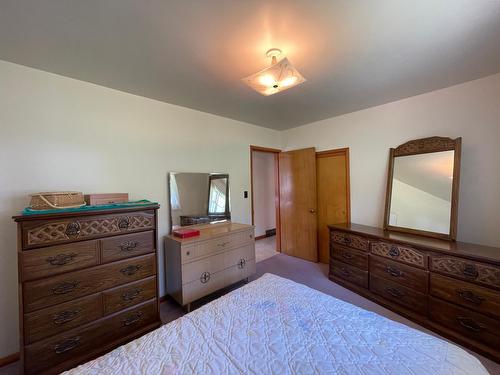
<point x="422" y="191"/>
<point x="198" y="198"/>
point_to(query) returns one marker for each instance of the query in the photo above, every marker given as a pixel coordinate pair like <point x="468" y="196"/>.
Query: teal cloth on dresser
<point x="144" y="202"/>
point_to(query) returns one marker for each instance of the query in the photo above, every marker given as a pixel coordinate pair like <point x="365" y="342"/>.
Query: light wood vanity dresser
<point x="223" y="254"/>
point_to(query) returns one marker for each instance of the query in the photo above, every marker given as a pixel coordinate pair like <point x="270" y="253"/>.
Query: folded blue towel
<point x="144" y="202"/>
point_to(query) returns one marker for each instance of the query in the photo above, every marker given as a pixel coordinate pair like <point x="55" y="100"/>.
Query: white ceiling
<point x="354" y="54"/>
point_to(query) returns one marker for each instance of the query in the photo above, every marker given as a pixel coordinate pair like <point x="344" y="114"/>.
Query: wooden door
<point x="297" y="176"/>
<point x="332" y="171"/>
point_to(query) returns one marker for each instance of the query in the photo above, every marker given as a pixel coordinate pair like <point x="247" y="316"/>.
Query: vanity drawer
<point x="117" y="299"/>
<point x="239" y="271"/>
<point x="80" y="341"/>
<point x="236" y="256"/>
<point x="54" y="260"/>
<point x="205" y="284"/>
<point x="62" y="288"/>
<point x="194" y="270"/>
<point x="401" y="295"/>
<point x="127" y="246"/>
<point x="47" y="232"/>
<point x="351" y="240"/>
<point x="350" y="256"/>
<point x="471" y="324"/>
<point x="400" y="253"/>
<point x="349" y="273"/>
<point x="53" y="320"/>
<point x="466" y="294"/>
<point x="408" y="276"/>
<point x="187" y="253"/>
<point x="479" y="273"/>
<point x="223" y="243"/>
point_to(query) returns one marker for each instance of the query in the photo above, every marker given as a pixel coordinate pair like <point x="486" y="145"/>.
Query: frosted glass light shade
<point x="278" y="77"/>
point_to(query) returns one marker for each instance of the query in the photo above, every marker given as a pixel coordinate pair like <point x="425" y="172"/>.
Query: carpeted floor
<point x="311" y="274"/>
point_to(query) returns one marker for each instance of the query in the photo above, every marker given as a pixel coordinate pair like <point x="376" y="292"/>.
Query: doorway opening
<point x="265" y="198"/>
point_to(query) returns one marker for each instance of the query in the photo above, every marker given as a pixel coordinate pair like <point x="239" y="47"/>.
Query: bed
<point x="276" y="326"/>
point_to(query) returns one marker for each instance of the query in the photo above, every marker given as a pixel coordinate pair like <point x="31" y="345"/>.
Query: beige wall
<point x="58" y="133"/>
<point x="263" y="192"/>
<point x="470" y="110"/>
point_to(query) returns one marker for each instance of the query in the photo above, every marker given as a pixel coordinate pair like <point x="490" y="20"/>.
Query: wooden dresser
<point x="452" y="288"/>
<point x="223" y="254"/>
<point x="87" y="283"/>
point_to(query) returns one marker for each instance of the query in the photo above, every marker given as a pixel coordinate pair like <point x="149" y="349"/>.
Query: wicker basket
<point x="56" y="200"/>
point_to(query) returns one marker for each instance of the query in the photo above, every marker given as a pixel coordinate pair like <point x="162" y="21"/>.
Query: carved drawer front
<point x="411" y="277"/>
<point x="479" y="273"/>
<point x="47" y="292"/>
<point x="119" y="298"/>
<point x="349" y="273"/>
<point x="60" y="318"/>
<point x="126" y="246"/>
<point x="401" y="295"/>
<point x="405" y="254"/>
<point x="41" y="233"/>
<point x="350" y="256"/>
<point x="59" y="259"/>
<point x="466" y="322"/>
<point x="205" y="284"/>
<point x="350" y="240"/>
<point x="484" y="300"/>
<point x="81" y="341"/>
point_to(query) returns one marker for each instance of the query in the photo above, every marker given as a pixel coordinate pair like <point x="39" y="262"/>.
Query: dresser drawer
<point x="119" y="298"/>
<point x="239" y="255"/>
<point x="350" y="240"/>
<point x="466" y="322"/>
<point x="481" y="299"/>
<point x="414" y="278"/>
<point x="62" y="288"/>
<point x="239" y="271"/>
<point x="401" y="295"/>
<point x="479" y="273"/>
<point x="58" y="259"/>
<point x="57" y="319"/>
<point x="205" y="284"/>
<point x="353" y="257"/>
<point x="400" y="253"/>
<point x="223" y="243"/>
<point x="81" y="341"/>
<point x="194" y="270"/>
<point x="127" y="246"/>
<point x="187" y="253"/>
<point x="349" y="273"/>
<point x="47" y="232"/>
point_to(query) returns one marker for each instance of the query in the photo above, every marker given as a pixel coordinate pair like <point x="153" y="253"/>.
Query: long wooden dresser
<point x="452" y="288"/>
<point x="223" y="254"/>
<point x="87" y="283"/>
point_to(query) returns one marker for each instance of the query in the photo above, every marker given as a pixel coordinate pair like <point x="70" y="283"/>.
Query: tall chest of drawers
<point x="452" y="288"/>
<point x="222" y="255"/>
<point x="87" y="283"/>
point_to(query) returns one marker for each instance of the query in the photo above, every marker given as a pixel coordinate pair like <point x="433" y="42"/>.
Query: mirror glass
<point x="421" y="195"/>
<point x="198" y="198"/>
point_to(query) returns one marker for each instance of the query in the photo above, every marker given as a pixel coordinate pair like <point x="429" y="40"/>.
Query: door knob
<point x="312" y="210"/>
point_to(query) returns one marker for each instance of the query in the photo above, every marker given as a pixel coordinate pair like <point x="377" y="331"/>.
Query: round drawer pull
<point x="72" y="229"/>
<point x="394" y="251"/>
<point x="205" y="277"/>
<point x="241" y="264"/>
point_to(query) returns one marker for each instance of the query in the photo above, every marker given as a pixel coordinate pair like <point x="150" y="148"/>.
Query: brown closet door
<point x="297" y="172"/>
<point x="332" y="172"/>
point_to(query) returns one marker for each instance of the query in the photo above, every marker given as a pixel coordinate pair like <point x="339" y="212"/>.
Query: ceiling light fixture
<point x="281" y="75"/>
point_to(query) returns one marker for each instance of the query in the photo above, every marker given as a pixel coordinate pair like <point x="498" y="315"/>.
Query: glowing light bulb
<point x="289" y="81"/>
<point x="267" y="80"/>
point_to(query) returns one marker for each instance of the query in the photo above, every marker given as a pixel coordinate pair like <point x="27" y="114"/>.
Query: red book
<point x="186" y="233"/>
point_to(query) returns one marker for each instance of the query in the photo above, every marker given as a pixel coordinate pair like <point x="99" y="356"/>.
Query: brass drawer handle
<point x="345" y="271"/>
<point x="130" y="270"/>
<point x="72" y="229"/>
<point x="123" y="223"/>
<point x="393" y="271"/>
<point x="469" y="296"/>
<point x="394" y="251"/>
<point x="241" y="264"/>
<point x="470" y="270"/>
<point x="67" y="345"/>
<point x="470" y="324"/>
<point x="205" y="277"/>
<point x="132" y="319"/>
<point x="61" y="259"/>
<point x="395" y="292"/>
<point x="347" y="255"/>
<point x="65" y="287"/>
<point x="128" y="245"/>
<point x="65" y="316"/>
<point x="130" y="295"/>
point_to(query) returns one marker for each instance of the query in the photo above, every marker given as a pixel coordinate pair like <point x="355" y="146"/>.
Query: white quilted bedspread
<point x="276" y="326"/>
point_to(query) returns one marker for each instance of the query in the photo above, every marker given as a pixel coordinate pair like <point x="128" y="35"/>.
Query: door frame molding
<point x="276" y="153"/>
<point x="341" y="151"/>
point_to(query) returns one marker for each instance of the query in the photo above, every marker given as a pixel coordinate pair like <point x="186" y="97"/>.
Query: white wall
<point x="58" y="133"/>
<point x="470" y="110"/>
<point x="263" y="192"/>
